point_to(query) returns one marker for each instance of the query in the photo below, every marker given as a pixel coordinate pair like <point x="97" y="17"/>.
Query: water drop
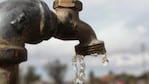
<point x="105" y="60"/>
<point x="95" y="54"/>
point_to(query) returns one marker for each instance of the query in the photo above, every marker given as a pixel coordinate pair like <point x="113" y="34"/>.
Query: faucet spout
<point x="70" y="27"/>
<point x="89" y="44"/>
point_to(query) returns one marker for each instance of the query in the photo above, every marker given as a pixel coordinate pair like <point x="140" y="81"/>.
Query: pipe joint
<point x="12" y="55"/>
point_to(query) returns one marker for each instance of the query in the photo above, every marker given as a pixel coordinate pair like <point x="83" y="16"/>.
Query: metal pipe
<point x="21" y="21"/>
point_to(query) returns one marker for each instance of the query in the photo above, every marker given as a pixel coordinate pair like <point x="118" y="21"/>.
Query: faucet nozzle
<point x="98" y="48"/>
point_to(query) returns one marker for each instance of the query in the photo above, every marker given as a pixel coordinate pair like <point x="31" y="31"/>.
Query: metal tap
<point x="31" y="21"/>
<point x="70" y="27"/>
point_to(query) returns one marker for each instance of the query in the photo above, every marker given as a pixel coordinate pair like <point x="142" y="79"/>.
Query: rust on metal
<point x="31" y="21"/>
<point x="12" y="55"/>
<point x="72" y="28"/>
<point x="88" y="50"/>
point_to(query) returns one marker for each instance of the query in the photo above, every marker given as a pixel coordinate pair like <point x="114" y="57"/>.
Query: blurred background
<point x="122" y="24"/>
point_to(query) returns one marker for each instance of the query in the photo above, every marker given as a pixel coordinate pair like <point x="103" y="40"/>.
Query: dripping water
<point x="105" y="60"/>
<point x="78" y="64"/>
<point x="79" y="67"/>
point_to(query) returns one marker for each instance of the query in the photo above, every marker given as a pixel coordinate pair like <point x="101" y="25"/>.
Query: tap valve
<point x="72" y="28"/>
<point x="75" y="4"/>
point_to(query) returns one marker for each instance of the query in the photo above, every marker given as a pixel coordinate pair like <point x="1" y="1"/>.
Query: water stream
<point x="79" y="67"/>
<point x="78" y="64"/>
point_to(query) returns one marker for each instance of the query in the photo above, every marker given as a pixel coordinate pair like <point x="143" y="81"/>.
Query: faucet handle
<point x="76" y="4"/>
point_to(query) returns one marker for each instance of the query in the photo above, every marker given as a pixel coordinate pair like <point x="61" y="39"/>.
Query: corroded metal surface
<point x="93" y="49"/>
<point x="12" y="54"/>
<point x="31" y="21"/>
<point x="22" y="21"/>
<point x="70" y="27"/>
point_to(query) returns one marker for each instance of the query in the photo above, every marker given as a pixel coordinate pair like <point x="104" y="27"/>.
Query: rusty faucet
<point x="31" y="21"/>
<point x="67" y="12"/>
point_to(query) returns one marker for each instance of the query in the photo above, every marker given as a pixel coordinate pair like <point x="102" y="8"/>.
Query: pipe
<point x="21" y="21"/>
<point x="70" y="27"/>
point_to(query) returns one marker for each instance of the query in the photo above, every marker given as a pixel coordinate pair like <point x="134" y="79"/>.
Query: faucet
<point x="70" y="27"/>
<point x="31" y="21"/>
